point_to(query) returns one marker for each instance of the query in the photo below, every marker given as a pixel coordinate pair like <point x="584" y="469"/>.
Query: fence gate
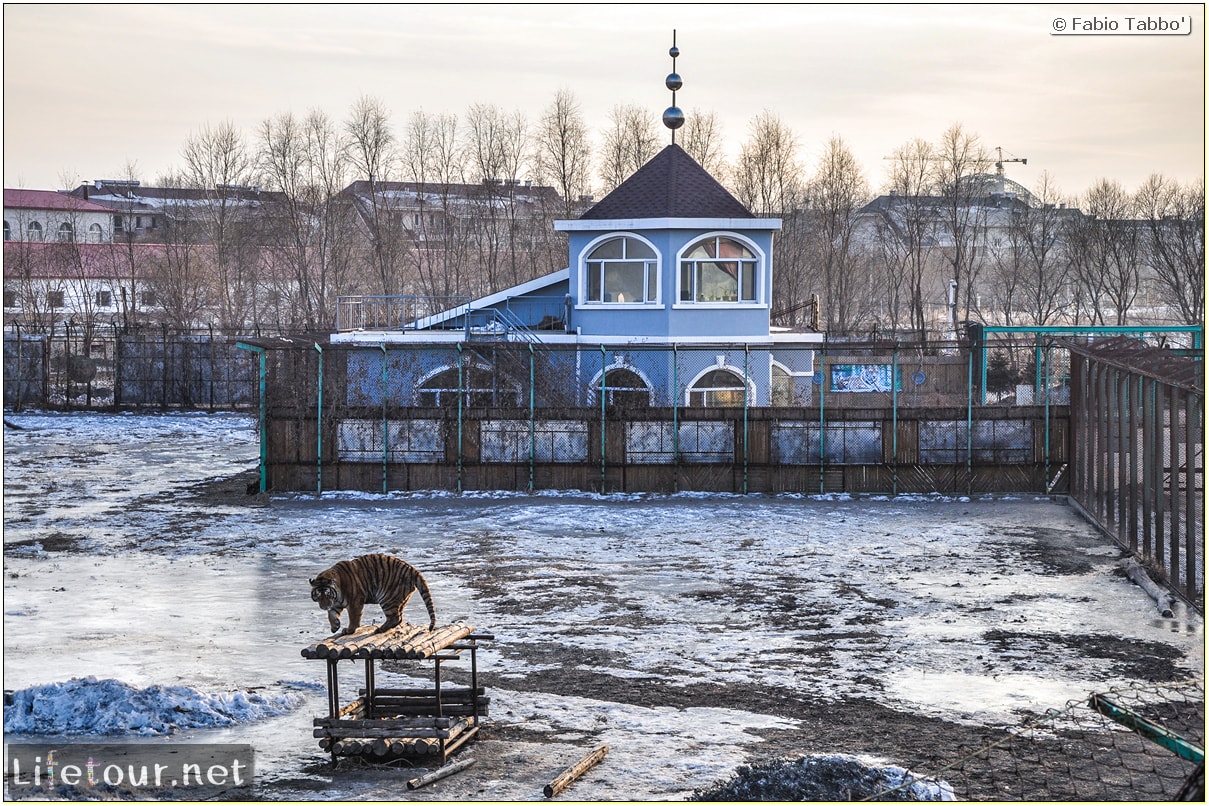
<point x="1137" y="413"/>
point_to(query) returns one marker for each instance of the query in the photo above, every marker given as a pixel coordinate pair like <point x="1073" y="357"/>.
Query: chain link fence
<point x="98" y="367"/>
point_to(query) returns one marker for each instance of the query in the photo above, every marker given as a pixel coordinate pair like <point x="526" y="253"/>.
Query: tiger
<point x="369" y="579"/>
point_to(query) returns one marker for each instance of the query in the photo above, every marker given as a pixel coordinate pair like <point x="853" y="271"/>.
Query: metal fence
<point x="74" y="367"/>
<point x="841" y="417"/>
<point x="1138" y="417"/>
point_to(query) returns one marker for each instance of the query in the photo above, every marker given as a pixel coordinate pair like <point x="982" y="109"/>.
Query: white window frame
<point x="652" y="273"/>
<point x="760" y="269"/>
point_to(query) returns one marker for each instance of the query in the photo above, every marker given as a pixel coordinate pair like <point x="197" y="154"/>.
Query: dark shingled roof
<point x="671" y="185"/>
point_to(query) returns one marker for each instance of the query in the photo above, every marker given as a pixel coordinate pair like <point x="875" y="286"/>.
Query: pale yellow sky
<point x="90" y="88"/>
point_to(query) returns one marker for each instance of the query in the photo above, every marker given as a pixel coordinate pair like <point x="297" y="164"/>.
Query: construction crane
<point x="1001" y="160"/>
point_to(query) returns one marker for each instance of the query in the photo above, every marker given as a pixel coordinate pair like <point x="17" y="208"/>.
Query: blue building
<point x="669" y="277"/>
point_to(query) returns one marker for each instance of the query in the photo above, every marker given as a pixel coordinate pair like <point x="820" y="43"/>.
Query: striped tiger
<point x="369" y="579"/>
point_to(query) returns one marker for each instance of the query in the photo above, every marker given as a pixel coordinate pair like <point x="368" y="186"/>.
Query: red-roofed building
<point x="96" y="283"/>
<point x="47" y="215"/>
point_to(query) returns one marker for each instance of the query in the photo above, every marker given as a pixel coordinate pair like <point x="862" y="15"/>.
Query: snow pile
<point x="85" y="705"/>
<point x="834" y="777"/>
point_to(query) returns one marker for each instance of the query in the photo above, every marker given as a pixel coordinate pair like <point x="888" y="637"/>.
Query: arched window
<point x="33" y="231"/>
<point x="782" y="386"/>
<point x="719" y="269"/>
<point x="718" y="387"/>
<point x="66" y="232"/>
<point x="623" y="387"/>
<point x="8" y="231"/>
<point x="621" y="270"/>
<point x="95" y="233"/>
<point x="481" y="386"/>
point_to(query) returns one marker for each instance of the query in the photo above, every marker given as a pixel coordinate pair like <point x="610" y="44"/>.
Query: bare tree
<point x="563" y="155"/>
<point x="1104" y="244"/>
<point x="836" y="193"/>
<point x="433" y="159"/>
<point x="629" y="142"/>
<point x="1032" y="280"/>
<point x="768" y="177"/>
<point x="1175" y="243"/>
<point x="219" y="164"/>
<point x="958" y="160"/>
<point x="701" y="138"/>
<point x="907" y="233"/>
<point x="371" y="150"/>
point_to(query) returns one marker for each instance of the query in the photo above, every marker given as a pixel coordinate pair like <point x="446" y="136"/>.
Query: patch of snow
<point x="88" y="706"/>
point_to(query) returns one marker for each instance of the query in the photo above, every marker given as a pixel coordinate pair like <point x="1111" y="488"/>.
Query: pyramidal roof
<point x="670" y="185"/>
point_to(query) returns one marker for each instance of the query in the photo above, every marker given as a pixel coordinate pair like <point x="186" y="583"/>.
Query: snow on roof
<point x="20" y="199"/>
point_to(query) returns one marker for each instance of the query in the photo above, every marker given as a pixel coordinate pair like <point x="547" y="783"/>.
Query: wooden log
<point x="440" y="772"/>
<point x="433" y="642"/>
<point x="424" y="692"/>
<point x="353" y="710"/>
<point x="370" y="730"/>
<point x="570" y="774"/>
<point x="1162" y="598"/>
<point x="448" y="709"/>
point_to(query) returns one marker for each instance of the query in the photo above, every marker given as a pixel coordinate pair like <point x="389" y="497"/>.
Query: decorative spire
<point x="673" y="118"/>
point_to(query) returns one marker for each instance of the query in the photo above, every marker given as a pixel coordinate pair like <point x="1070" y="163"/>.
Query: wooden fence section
<point x="1137" y="417"/>
<point x="759" y="450"/>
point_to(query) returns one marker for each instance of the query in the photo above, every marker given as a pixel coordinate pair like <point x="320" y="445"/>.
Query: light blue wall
<point x="669" y="319"/>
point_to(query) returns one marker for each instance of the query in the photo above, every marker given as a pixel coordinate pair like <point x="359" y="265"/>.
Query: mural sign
<point x="864" y="378"/>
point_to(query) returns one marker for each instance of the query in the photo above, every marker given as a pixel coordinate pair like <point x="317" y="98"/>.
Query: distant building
<point x="669" y="258"/>
<point x="142" y="213"/>
<point x="42" y="216"/>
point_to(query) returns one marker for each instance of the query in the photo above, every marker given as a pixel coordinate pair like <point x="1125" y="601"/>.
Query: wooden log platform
<point x="405" y="642"/>
<point x="385" y="724"/>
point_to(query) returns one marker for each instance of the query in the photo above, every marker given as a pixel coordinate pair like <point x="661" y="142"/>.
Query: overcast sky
<point x="89" y="89"/>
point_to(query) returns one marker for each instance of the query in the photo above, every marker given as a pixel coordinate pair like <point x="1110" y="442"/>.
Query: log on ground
<point x="570" y="774"/>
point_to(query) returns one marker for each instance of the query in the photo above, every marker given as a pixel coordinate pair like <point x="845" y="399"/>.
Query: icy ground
<point x="660" y="625"/>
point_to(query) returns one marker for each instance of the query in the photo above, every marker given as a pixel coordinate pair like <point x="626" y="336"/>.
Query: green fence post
<point x="970" y="425"/>
<point x="604" y="360"/>
<point x="1048" y="358"/>
<point x="319" y="428"/>
<point x="532" y="416"/>
<point x="822" y="420"/>
<point x="676" y="416"/>
<point x="263" y="419"/>
<point x="746" y="381"/>
<point x="385" y="430"/>
<point x="461" y="392"/>
<point x="894" y="420"/>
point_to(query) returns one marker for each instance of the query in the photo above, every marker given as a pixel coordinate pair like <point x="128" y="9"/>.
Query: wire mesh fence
<point x="1138" y="421"/>
<point x="1141" y="743"/>
<point x="98" y="367"/>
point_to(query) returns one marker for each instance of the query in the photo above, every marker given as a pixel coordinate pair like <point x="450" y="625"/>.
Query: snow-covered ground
<point x="143" y="610"/>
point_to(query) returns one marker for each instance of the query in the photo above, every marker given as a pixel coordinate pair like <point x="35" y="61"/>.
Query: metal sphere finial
<point x="673" y="118"/>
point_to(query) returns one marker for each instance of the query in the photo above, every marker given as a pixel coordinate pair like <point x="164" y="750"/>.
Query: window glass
<point x="609" y="249"/>
<point x="625" y="388"/>
<point x="8" y="232"/>
<point x="624" y="281"/>
<point x="718" y="269"/>
<point x="35" y="231"/>
<point x="480" y="387"/>
<point x="621" y="270"/>
<point x="66" y="232"/>
<point x="94" y="233"/>
<point x="719" y="387"/>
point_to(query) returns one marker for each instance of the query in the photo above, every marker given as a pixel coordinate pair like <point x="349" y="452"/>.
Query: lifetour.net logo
<point x="126" y="771"/>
